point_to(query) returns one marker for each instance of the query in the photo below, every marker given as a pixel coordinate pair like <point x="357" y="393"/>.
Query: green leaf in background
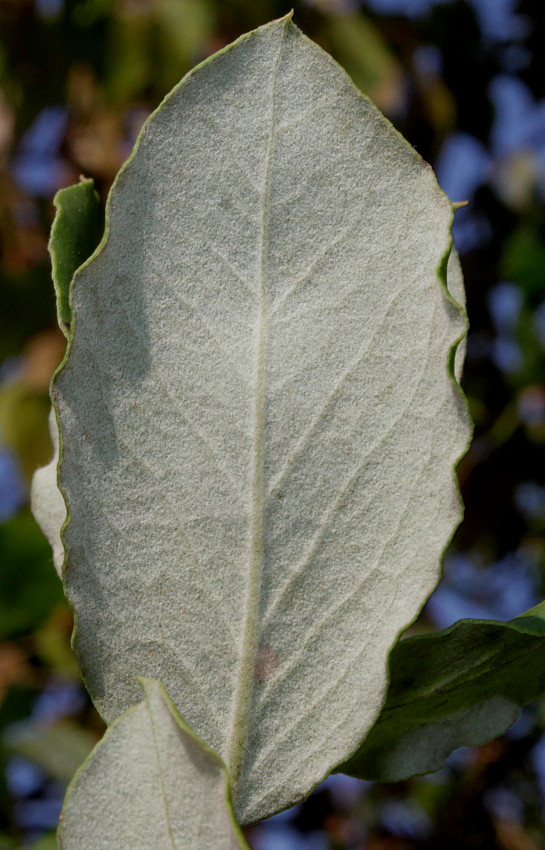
<point x="29" y="588"/>
<point x="156" y="46"/>
<point x="184" y="28"/>
<point x="150" y="784"/>
<point x="74" y="237"/>
<point x="48" y="842"/>
<point x="258" y="424"/>
<point x="523" y="260"/>
<point x="46" y="499"/>
<point x="366" y="56"/>
<point x="457" y="688"/>
<point x="57" y="748"/>
<point x="23" y="424"/>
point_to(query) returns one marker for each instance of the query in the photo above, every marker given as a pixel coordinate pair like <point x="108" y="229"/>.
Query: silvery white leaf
<point x="259" y="427"/>
<point x="150" y="784"/>
<point x="455" y="284"/>
<point x="46" y="500"/>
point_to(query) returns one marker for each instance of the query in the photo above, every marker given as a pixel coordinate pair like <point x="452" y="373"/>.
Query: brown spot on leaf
<point x="266" y="663"/>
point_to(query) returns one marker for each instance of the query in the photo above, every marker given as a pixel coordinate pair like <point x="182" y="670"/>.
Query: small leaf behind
<point x="46" y="499"/>
<point x="458" y="688"/>
<point x="74" y="237"/>
<point x="150" y="784"/>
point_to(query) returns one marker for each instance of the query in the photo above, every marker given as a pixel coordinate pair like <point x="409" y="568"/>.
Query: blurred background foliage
<point x="464" y="80"/>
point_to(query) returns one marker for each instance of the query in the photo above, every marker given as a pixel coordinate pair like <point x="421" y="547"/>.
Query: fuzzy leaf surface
<point x="258" y="423"/>
<point x="458" y="688"/>
<point x="455" y="285"/>
<point x="46" y="499"/>
<point x="150" y="784"/>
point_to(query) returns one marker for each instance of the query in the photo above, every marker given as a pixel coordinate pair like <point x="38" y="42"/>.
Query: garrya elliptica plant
<point x="259" y="417"/>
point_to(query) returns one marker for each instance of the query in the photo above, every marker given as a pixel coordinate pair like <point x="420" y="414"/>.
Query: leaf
<point x="29" y="589"/>
<point x="23" y="424"/>
<point x="258" y="424"/>
<point x="52" y="647"/>
<point x="74" y="237"/>
<point x="48" y="842"/>
<point x="57" y="748"/>
<point x="152" y="49"/>
<point x="73" y="240"/>
<point x="367" y="57"/>
<point x="457" y="688"/>
<point x="46" y="499"/>
<point x="455" y="285"/>
<point x="150" y="784"/>
<point x="184" y="28"/>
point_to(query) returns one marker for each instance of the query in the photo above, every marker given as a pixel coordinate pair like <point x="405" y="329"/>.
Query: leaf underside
<point x="457" y="688"/>
<point x="46" y="499"/>
<point x="258" y="425"/>
<point x="150" y="784"/>
<point x="455" y="286"/>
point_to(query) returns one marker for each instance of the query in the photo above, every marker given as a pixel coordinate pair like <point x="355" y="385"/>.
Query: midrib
<point x="250" y="635"/>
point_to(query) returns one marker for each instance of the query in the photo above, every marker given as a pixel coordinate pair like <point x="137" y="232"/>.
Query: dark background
<point x="465" y="82"/>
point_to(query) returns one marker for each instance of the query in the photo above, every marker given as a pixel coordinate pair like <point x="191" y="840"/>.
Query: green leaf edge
<point x="363" y="765"/>
<point x="73" y="238"/>
<point x="144" y="683"/>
